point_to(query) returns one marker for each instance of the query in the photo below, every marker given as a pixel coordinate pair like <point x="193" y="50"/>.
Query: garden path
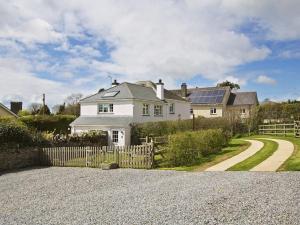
<point x="284" y="151"/>
<point x="223" y="166"/>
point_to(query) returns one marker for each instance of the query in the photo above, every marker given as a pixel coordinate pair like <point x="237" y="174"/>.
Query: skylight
<point x="111" y="94"/>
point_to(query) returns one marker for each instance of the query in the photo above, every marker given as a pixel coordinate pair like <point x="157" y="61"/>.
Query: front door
<point x="117" y="137"/>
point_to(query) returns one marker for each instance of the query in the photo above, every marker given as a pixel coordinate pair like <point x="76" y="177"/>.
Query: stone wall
<point x="18" y="158"/>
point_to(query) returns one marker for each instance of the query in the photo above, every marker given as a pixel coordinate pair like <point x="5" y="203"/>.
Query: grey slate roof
<point x="102" y="121"/>
<point x="131" y="91"/>
<point x="243" y="98"/>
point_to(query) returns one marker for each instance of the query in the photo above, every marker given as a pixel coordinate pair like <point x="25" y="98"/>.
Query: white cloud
<point x="170" y="39"/>
<point x="263" y="79"/>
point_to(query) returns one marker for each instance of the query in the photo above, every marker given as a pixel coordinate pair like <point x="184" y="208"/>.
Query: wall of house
<point x="182" y="111"/>
<point x="120" y="109"/>
<point x="237" y="110"/>
<point x="124" y="132"/>
<point x="4" y="112"/>
<point x="204" y="111"/>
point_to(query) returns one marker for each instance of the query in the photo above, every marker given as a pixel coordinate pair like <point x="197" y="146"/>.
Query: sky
<point x="60" y="47"/>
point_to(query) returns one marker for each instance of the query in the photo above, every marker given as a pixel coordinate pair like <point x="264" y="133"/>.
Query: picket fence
<point x="135" y="156"/>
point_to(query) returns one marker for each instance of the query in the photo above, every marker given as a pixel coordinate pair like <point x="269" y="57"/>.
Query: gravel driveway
<point x="92" y="196"/>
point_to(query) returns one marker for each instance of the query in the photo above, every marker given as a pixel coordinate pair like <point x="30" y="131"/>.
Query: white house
<point x="114" y="109"/>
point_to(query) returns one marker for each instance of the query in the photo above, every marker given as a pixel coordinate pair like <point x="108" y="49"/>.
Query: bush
<point x="12" y="134"/>
<point x="163" y="128"/>
<point x="90" y="138"/>
<point x="186" y="148"/>
<point x="57" y="124"/>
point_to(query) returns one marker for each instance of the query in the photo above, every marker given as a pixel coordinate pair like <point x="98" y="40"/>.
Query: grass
<point x="235" y="147"/>
<point x="293" y="163"/>
<point x="269" y="148"/>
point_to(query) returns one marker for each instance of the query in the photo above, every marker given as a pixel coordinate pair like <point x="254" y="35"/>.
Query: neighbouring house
<point x="6" y="112"/>
<point x="218" y="101"/>
<point x="115" y="109"/>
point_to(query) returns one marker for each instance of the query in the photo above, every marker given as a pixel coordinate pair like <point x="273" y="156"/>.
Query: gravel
<point x="124" y="196"/>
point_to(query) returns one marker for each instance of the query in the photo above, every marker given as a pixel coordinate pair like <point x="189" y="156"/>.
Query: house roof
<point x="243" y="98"/>
<point x="142" y="90"/>
<point x="101" y="121"/>
<point x="206" y="96"/>
<point x="8" y="110"/>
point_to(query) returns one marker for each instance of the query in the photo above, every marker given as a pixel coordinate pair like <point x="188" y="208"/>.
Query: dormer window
<point x="106" y="108"/>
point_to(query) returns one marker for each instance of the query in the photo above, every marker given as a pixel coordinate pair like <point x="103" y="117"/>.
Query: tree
<point x="73" y="99"/>
<point x="229" y="84"/>
<point x="34" y="108"/>
<point x="24" y="113"/>
<point x="44" y="110"/>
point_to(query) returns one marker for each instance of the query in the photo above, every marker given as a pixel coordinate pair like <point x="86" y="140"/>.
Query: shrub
<point x="163" y="128"/>
<point x="90" y="138"/>
<point x="186" y="148"/>
<point x="14" y="134"/>
<point x="57" y="124"/>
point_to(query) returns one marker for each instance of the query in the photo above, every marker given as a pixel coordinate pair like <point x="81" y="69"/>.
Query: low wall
<point x="15" y="158"/>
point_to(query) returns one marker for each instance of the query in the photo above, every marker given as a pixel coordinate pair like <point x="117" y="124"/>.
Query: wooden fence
<point x="136" y="156"/>
<point x="280" y="129"/>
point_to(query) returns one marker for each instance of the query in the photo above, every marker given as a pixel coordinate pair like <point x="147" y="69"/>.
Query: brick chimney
<point x="183" y="90"/>
<point x="15" y="107"/>
<point x="115" y="83"/>
<point x="160" y="90"/>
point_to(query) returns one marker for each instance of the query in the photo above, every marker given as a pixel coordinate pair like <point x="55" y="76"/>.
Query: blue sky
<point x="64" y="47"/>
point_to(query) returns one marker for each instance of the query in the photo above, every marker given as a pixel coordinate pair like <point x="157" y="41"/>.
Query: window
<point x="158" y="111"/>
<point x="106" y="108"/>
<point x="172" y="108"/>
<point x="243" y="111"/>
<point x="146" y="110"/>
<point x="213" y="111"/>
<point x="115" y="136"/>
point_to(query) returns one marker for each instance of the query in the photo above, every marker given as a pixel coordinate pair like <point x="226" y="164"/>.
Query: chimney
<point x="160" y="90"/>
<point x="15" y="107"/>
<point x="183" y="90"/>
<point x="115" y="83"/>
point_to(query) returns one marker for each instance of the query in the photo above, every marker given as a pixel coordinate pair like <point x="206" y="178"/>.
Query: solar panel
<point x="207" y="97"/>
<point x="111" y="94"/>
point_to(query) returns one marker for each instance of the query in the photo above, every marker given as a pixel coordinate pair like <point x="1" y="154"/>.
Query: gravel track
<point x="92" y="196"/>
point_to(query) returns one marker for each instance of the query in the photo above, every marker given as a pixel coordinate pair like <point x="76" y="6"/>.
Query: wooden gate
<point x="136" y="156"/>
<point x="292" y="129"/>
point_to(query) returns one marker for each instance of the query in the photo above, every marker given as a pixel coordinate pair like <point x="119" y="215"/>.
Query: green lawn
<point x="293" y="163"/>
<point x="235" y="147"/>
<point x="269" y="148"/>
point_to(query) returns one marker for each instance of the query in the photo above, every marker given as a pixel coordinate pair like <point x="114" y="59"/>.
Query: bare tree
<point x="34" y="108"/>
<point x="73" y="99"/>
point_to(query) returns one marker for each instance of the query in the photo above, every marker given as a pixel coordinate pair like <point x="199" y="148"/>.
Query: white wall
<point x="181" y="108"/>
<point x="120" y="109"/>
<point x="124" y="133"/>
<point x="205" y="111"/>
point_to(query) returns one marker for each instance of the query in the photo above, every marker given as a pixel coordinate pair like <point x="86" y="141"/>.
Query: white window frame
<point x="105" y="108"/>
<point x="172" y="108"/>
<point x="115" y="136"/>
<point x="213" y="111"/>
<point x="146" y="109"/>
<point x="158" y="110"/>
<point x="243" y="111"/>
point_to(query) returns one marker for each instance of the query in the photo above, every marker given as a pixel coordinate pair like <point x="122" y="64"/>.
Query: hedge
<point x="163" y="128"/>
<point x="57" y="124"/>
<point x="186" y="148"/>
<point x="14" y="133"/>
